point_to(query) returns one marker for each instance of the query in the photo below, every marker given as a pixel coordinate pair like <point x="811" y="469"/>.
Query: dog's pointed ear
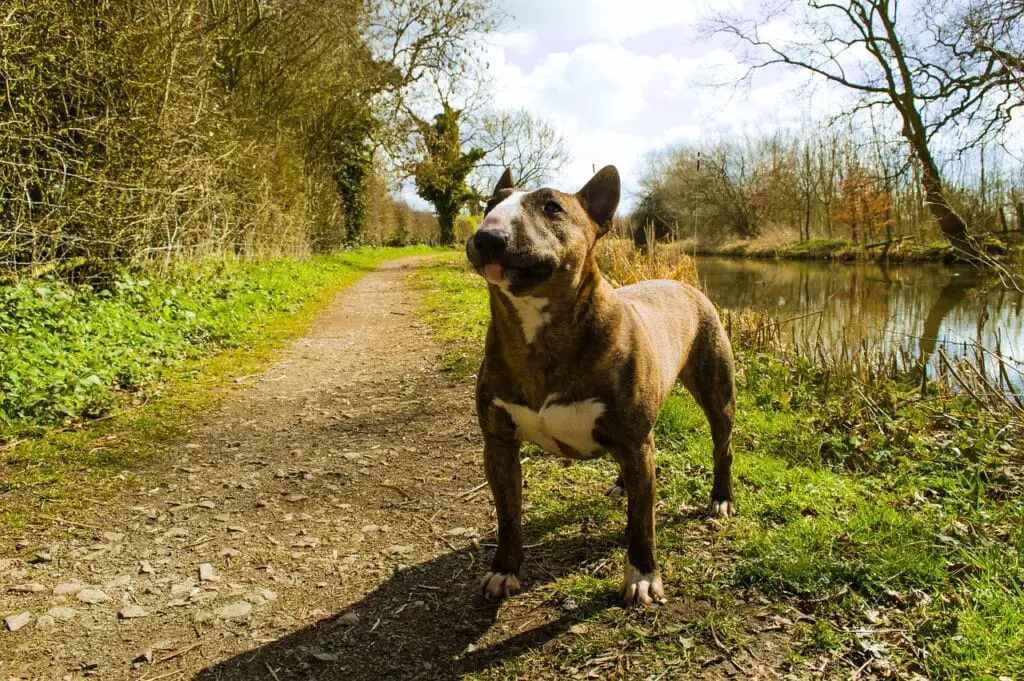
<point x="504" y="182"/>
<point x="600" y="197"/>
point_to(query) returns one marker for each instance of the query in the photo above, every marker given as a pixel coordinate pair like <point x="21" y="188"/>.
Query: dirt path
<point x="273" y="537"/>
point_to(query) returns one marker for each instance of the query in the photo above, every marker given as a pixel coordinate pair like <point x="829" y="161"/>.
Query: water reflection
<point x="910" y="309"/>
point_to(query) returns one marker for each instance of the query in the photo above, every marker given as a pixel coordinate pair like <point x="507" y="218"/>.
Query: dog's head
<point x="531" y="240"/>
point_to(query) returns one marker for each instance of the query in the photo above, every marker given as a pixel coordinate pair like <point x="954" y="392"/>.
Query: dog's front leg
<point x="642" y="582"/>
<point x="505" y="477"/>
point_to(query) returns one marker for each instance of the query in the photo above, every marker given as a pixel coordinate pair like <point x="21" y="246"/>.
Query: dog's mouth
<point x="515" y="274"/>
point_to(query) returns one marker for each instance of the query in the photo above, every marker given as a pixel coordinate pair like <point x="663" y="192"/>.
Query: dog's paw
<point x="499" y="585"/>
<point x="615" y="491"/>
<point x="642" y="588"/>
<point x="722" y="509"/>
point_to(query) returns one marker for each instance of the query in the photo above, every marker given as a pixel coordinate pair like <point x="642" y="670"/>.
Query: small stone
<point x="236" y="610"/>
<point x="132" y="611"/>
<point x="176" y="533"/>
<point x="349" y="619"/>
<point x="118" y="582"/>
<point x="15" y="622"/>
<point x="236" y="528"/>
<point x="145" y="568"/>
<point x="206" y="503"/>
<point x="397" y="549"/>
<point x="206" y="573"/>
<point x="92" y="596"/>
<point x="68" y="589"/>
<point x="296" y="497"/>
<point x="269" y="595"/>
<point x="228" y="552"/>
<point x="45" y="622"/>
<point x="61" y="613"/>
<point x="183" y="588"/>
<point x="30" y="588"/>
<point x="43" y="557"/>
<point x="325" y="657"/>
<point x="112" y="537"/>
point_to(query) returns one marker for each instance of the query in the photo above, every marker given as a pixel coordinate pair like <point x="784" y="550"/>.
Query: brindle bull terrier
<point x="581" y="368"/>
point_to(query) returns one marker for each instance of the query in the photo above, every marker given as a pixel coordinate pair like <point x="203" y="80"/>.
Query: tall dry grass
<point x="623" y="263"/>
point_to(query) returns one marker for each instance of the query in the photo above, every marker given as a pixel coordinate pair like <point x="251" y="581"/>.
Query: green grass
<point x="845" y="250"/>
<point x="894" y="529"/>
<point x="95" y="382"/>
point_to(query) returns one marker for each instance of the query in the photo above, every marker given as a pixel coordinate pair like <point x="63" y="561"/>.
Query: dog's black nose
<point x="490" y="244"/>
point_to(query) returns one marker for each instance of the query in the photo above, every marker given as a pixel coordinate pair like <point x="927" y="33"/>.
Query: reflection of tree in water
<point x="951" y="295"/>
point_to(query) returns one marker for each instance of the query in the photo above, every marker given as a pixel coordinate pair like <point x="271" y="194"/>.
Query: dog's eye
<point x="552" y="209"/>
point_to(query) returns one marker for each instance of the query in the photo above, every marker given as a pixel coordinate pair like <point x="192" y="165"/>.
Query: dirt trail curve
<point x="268" y="544"/>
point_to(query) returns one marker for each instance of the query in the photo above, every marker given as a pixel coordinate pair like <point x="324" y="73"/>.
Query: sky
<point x="620" y="78"/>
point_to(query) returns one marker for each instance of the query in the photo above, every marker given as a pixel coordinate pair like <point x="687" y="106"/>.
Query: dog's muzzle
<point x="489" y="252"/>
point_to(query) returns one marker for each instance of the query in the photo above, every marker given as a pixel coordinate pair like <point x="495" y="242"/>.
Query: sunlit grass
<point x="895" y="536"/>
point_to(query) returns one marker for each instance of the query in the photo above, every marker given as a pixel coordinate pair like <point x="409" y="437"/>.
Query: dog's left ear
<point x="504" y="182"/>
<point x="600" y="197"/>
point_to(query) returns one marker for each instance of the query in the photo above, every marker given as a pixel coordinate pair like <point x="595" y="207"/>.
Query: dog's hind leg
<point x="617" y="489"/>
<point x="709" y="376"/>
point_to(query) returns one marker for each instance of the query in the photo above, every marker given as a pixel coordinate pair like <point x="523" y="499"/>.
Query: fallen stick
<point x="484" y="484"/>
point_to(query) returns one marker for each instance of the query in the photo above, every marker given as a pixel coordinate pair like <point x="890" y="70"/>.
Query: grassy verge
<point x="843" y="250"/>
<point x="96" y="381"/>
<point x="878" y="531"/>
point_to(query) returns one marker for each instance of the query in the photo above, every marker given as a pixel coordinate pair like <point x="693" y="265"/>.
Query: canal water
<point x="911" y="309"/>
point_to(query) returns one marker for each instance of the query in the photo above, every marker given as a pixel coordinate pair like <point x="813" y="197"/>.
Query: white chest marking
<point x="531" y="314"/>
<point x="571" y="424"/>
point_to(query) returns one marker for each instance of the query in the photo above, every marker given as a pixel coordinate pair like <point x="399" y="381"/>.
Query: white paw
<point x="615" y="491"/>
<point x="722" y="509"/>
<point x="499" y="585"/>
<point x="642" y="588"/>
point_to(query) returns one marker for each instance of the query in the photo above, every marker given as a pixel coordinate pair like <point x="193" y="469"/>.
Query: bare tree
<point x="867" y="47"/>
<point x="429" y="45"/>
<point x="529" y="145"/>
<point x="983" y="44"/>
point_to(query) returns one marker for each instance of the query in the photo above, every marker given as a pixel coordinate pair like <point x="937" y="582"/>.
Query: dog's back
<point x="674" y="315"/>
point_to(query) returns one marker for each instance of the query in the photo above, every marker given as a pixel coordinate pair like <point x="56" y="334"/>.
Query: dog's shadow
<point x="425" y="622"/>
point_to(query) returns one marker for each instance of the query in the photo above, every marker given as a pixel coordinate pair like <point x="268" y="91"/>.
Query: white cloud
<point x="614" y="104"/>
<point x="607" y="21"/>
<point x="620" y="79"/>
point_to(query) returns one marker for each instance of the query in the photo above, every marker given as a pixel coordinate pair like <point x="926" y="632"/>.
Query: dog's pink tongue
<point x="492" y="272"/>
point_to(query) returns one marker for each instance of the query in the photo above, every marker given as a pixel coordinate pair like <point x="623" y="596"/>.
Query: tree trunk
<point x="952" y="226"/>
<point x="446" y="223"/>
